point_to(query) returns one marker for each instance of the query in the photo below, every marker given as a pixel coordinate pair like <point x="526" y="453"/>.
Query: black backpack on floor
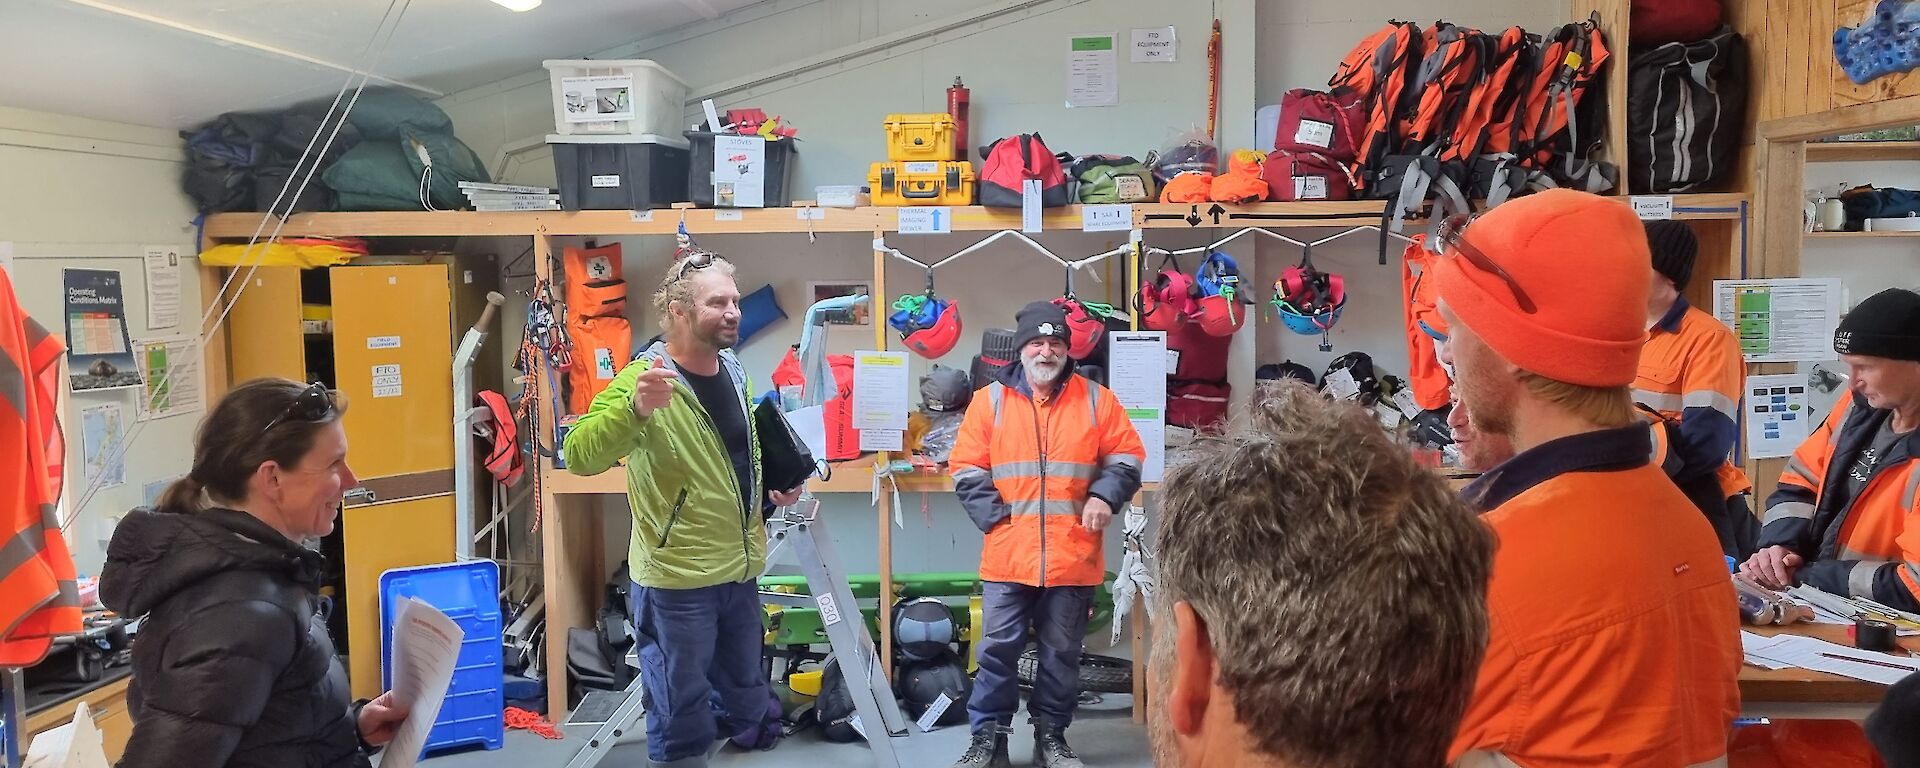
<point x="1686" y="109"/>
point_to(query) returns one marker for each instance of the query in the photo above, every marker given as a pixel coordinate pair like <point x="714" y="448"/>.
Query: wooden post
<point x="884" y="501"/>
<point x="1133" y="267"/>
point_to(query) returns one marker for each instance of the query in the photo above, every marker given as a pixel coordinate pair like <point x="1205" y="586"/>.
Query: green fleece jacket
<point x="689" y="530"/>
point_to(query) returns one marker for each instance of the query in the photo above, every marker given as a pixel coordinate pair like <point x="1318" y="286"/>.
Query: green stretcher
<point x="791" y="626"/>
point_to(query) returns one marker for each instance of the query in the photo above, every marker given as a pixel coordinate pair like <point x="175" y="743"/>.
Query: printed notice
<point x="601" y="99"/>
<point x="386" y="380"/>
<point x="1777" y="416"/>
<point x="173" y="378"/>
<point x="1155" y="45"/>
<point x="936" y="220"/>
<point x="1653" y="207"/>
<point x="426" y="647"/>
<point x="383" y="342"/>
<point x="739" y="171"/>
<point x="99" y="354"/>
<point x="163" y="286"/>
<point x="1780" y="321"/>
<point x="101" y="427"/>
<point x="1106" y="218"/>
<point x="881" y="391"/>
<point x="1092" y="72"/>
<point x="883" y="440"/>
<point x="1137" y="370"/>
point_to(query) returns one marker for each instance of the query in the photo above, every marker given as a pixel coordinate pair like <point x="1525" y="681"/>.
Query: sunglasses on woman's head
<point x="1452" y="235"/>
<point x="312" y="404"/>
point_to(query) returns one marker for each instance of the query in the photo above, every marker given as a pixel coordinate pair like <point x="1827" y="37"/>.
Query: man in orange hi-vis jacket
<point x="1614" y="640"/>
<point x="1043" y="459"/>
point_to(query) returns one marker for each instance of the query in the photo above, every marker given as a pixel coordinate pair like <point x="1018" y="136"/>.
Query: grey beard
<point x="1034" y="377"/>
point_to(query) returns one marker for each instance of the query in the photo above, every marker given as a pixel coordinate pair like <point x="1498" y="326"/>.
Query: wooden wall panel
<point x="1793" y="70"/>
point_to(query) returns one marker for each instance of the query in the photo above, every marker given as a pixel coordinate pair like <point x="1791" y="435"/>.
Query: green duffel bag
<point x="1113" y="179"/>
<point x="385" y="175"/>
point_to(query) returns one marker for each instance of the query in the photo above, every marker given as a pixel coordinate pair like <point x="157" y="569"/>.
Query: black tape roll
<point x="1872" y="635"/>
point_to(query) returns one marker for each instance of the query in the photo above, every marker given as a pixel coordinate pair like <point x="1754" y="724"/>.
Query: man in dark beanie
<point x="1839" y="518"/>
<point x="1691" y="374"/>
<point x="1894" y="727"/>
<point x="1042" y="460"/>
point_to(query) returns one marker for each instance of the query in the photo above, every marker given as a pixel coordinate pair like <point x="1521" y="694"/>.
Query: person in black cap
<point x="1043" y="459"/>
<point x="1839" y="519"/>
<point x="1691" y="374"/>
<point x="1894" y="728"/>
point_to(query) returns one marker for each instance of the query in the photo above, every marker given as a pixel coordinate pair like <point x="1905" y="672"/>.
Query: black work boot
<point x="987" y="750"/>
<point x="1050" y="748"/>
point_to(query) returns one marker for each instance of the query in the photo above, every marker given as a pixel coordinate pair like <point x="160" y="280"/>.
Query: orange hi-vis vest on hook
<point x="39" y="599"/>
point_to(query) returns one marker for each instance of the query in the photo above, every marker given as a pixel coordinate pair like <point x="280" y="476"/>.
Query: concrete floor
<point x="1104" y="734"/>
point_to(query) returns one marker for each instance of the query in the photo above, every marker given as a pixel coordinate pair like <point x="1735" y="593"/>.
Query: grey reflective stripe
<point x="1485" y="759"/>
<point x="1790" y="510"/>
<point x="1055" y="469"/>
<point x="1093" y="404"/>
<point x="994" y="391"/>
<point x="23" y="547"/>
<point x="970" y="473"/>
<point x="1798" y="467"/>
<point x="1913" y="487"/>
<point x="69" y="596"/>
<point x="13" y="385"/>
<point x="1699" y="398"/>
<point x="1121" y="460"/>
<point x="1050" y="507"/>
<point x="1860" y="577"/>
<point x="1913" y="571"/>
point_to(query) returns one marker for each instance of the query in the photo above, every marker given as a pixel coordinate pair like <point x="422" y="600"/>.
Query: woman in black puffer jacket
<point x="232" y="666"/>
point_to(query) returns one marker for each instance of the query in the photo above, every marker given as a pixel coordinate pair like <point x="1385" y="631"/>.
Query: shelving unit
<point x="1858" y="235"/>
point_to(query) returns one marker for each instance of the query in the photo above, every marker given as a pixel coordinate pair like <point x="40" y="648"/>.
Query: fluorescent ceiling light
<point x="518" y="5"/>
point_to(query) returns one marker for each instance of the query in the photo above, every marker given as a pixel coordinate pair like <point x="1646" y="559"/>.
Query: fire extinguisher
<point x="958" y="98"/>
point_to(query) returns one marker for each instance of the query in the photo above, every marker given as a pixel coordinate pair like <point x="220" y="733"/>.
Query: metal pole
<point x="13" y="710"/>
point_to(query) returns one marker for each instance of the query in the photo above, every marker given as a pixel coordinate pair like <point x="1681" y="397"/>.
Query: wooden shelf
<point x="1862" y="151"/>
<point x="972" y="218"/>
<point x="1857" y="235"/>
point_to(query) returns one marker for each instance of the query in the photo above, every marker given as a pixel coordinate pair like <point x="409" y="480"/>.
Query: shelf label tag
<point x="1653" y="207"/>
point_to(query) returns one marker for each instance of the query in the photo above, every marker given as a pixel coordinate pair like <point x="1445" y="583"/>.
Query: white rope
<point x="377" y="45"/>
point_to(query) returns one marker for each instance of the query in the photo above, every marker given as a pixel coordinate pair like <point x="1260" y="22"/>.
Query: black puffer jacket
<point x="232" y="667"/>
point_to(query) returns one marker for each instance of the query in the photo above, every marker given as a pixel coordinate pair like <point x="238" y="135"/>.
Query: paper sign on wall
<point x="173" y="378"/>
<point x="1092" y="72"/>
<point x="883" y="440"/>
<point x="99" y="354"/>
<point x="1154" y="46"/>
<point x="1781" y="321"/>
<point x="386" y="380"/>
<point x="880" y="391"/>
<point x="1778" y="419"/>
<point x="163" y="286"/>
<point x="739" y="171"/>
<point x="1137" y="372"/>
<point x="101" y="427"/>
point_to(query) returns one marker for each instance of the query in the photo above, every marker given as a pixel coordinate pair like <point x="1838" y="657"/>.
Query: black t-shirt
<point x="1863" y="463"/>
<point x="722" y="402"/>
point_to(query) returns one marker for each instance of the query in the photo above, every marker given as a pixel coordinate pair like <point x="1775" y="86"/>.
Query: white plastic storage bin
<point x="615" y="96"/>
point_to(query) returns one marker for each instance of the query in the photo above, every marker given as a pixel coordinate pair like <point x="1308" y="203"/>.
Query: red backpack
<point x="1329" y="124"/>
<point x="843" y="439"/>
<point x="1011" y="162"/>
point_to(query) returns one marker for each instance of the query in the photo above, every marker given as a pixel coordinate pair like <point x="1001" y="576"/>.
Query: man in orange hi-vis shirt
<point x="1614" y="636"/>
<point x="38" y="596"/>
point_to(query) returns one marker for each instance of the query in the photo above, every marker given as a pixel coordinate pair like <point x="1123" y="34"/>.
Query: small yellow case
<point x="926" y="136"/>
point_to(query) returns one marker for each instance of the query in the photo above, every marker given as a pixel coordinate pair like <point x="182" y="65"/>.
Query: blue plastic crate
<point x="468" y="593"/>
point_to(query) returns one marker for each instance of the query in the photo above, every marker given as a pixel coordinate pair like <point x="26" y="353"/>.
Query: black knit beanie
<point x="1891" y="728"/>
<point x="1041" y="318"/>
<point x="1886" y="325"/>
<point x="1674" y="249"/>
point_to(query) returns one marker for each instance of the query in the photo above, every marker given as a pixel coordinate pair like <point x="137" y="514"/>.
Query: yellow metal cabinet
<point x="380" y="537"/>
<point x="264" y="327"/>
<point x="393" y="359"/>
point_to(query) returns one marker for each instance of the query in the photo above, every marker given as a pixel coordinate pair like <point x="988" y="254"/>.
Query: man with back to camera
<point x="1839" y="519"/>
<point x="1691" y="373"/>
<point x="679" y="415"/>
<point x="1298" y="619"/>
<point x="1042" y="460"/>
<point x="1579" y="669"/>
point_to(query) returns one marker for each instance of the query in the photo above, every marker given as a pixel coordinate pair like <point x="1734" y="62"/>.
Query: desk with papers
<point x="1806" y="694"/>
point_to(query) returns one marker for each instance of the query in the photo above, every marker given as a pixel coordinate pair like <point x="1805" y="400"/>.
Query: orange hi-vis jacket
<point x="1615" y="640"/>
<point x="1859" y="545"/>
<point x="38" y="595"/>
<point x="1691" y="371"/>
<point x="1024" y="468"/>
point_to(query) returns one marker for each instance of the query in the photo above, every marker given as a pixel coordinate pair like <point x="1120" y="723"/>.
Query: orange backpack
<point x="1557" y="137"/>
<point x="1380" y="68"/>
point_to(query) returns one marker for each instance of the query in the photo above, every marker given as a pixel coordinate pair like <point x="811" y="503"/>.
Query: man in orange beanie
<point x="1613" y="637"/>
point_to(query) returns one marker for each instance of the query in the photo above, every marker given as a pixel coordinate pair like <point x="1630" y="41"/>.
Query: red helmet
<point x="935" y="341"/>
<point x="1167" y="300"/>
<point x="1220" y="314"/>
<point x="1085" y="325"/>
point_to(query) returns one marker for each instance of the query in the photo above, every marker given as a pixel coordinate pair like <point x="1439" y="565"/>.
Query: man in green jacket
<point x="679" y="415"/>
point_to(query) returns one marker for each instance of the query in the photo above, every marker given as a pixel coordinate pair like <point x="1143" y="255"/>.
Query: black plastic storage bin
<point x="619" y="173"/>
<point x="780" y="154"/>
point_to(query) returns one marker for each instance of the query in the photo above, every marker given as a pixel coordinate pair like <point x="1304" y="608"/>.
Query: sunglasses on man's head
<point x="314" y="403"/>
<point x="696" y="260"/>
<point x="1452" y="236"/>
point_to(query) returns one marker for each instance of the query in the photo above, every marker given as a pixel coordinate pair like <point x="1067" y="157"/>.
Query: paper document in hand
<point x="426" y="645"/>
